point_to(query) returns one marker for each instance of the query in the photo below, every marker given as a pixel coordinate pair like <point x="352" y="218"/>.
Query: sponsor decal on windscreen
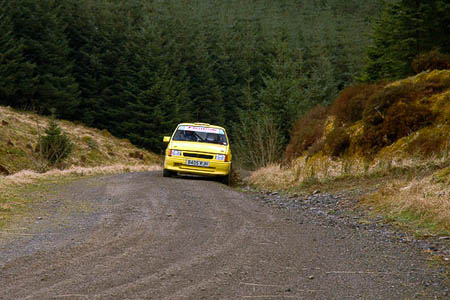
<point x="202" y="129"/>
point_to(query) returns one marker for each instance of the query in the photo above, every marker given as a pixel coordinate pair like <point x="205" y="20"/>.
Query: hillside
<point x="24" y="172"/>
<point x="389" y="142"/>
<point x="19" y="133"/>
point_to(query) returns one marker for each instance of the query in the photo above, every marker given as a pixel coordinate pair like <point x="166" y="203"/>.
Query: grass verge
<point x="414" y="196"/>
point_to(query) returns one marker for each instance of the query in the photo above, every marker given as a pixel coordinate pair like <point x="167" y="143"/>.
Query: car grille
<point x="196" y="155"/>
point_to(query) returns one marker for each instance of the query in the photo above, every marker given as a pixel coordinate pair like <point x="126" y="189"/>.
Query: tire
<point x="226" y="179"/>
<point x="167" y="173"/>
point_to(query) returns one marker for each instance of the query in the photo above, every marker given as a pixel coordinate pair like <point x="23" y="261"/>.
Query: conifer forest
<point x="139" y="67"/>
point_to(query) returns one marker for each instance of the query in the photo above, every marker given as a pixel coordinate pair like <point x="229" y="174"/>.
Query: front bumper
<point x="178" y="164"/>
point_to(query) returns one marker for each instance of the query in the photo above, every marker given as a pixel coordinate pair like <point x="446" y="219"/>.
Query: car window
<point x="200" y="134"/>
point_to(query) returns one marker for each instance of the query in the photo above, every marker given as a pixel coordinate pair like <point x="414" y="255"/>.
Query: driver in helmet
<point x="190" y="136"/>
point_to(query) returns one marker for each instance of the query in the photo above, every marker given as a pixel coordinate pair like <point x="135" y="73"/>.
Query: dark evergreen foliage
<point x="39" y="30"/>
<point x="16" y="73"/>
<point x="55" y="146"/>
<point x="404" y="30"/>
<point x="139" y="67"/>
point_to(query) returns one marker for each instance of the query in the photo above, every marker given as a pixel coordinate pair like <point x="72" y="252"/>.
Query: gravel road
<point x="142" y="236"/>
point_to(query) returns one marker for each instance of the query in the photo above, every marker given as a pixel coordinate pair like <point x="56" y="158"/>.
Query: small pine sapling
<point x="55" y="145"/>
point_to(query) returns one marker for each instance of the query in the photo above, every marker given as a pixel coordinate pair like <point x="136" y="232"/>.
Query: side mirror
<point x="166" y="139"/>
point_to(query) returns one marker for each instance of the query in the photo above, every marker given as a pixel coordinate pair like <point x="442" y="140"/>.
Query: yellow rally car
<point x="199" y="149"/>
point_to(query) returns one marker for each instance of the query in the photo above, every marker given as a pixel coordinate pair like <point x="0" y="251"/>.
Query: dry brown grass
<point x="317" y="167"/>
<point x="405" y="193"/>
<point x="273" y="177"/>
<point x="421" y="203"/>
<point x="28" y="176"/>
<point x="19" y="133"/>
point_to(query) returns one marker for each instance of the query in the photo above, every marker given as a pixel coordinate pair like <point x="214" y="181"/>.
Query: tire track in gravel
<point x="149" y="237"/>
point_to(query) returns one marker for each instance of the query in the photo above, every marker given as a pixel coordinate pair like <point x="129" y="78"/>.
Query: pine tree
<point x="283" y="94"/>
<point x="205" y="92"/>
<point x="55" y="146"/>
<point x="158" y="98"/>
<point x="38" y="26"/>
<point x="15" y="72"/>
<point x="405" y="30"/>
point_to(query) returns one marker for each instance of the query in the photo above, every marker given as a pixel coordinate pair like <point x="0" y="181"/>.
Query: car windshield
<point x="200" y="134"/>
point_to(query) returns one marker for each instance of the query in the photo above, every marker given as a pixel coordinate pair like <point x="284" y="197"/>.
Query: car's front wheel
<point x="227" y="178"/>
<point x="167" y="173"/>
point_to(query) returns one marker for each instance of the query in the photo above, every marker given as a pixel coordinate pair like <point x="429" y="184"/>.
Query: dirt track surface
<point x="142" y="236"/>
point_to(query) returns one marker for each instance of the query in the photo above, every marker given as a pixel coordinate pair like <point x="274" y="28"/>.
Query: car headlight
<point x="220" y="157"/>
<point x="174" y="153"/>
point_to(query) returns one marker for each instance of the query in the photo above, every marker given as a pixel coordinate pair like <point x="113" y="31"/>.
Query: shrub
<point x="307" y="130"/>
<point x="432" y="60"/>
<point x="403" y="119"/>
<point x="442" y="177"/>
<point x="392" y="114"/>
<point x="337" y="141"/>
<point x="379" y="103"/>
<point x="92" y="144"/>
<point x="349" y="105"/>
<point x="318" y="146"/>
<point x="259" y="141"/>
<point x="55" y="146"/>
<point x="400" y="120"/>
<point x="428" y="142"/>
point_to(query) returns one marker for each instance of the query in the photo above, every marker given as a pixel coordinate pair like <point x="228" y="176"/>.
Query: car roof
<point x="201" y="124"/>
